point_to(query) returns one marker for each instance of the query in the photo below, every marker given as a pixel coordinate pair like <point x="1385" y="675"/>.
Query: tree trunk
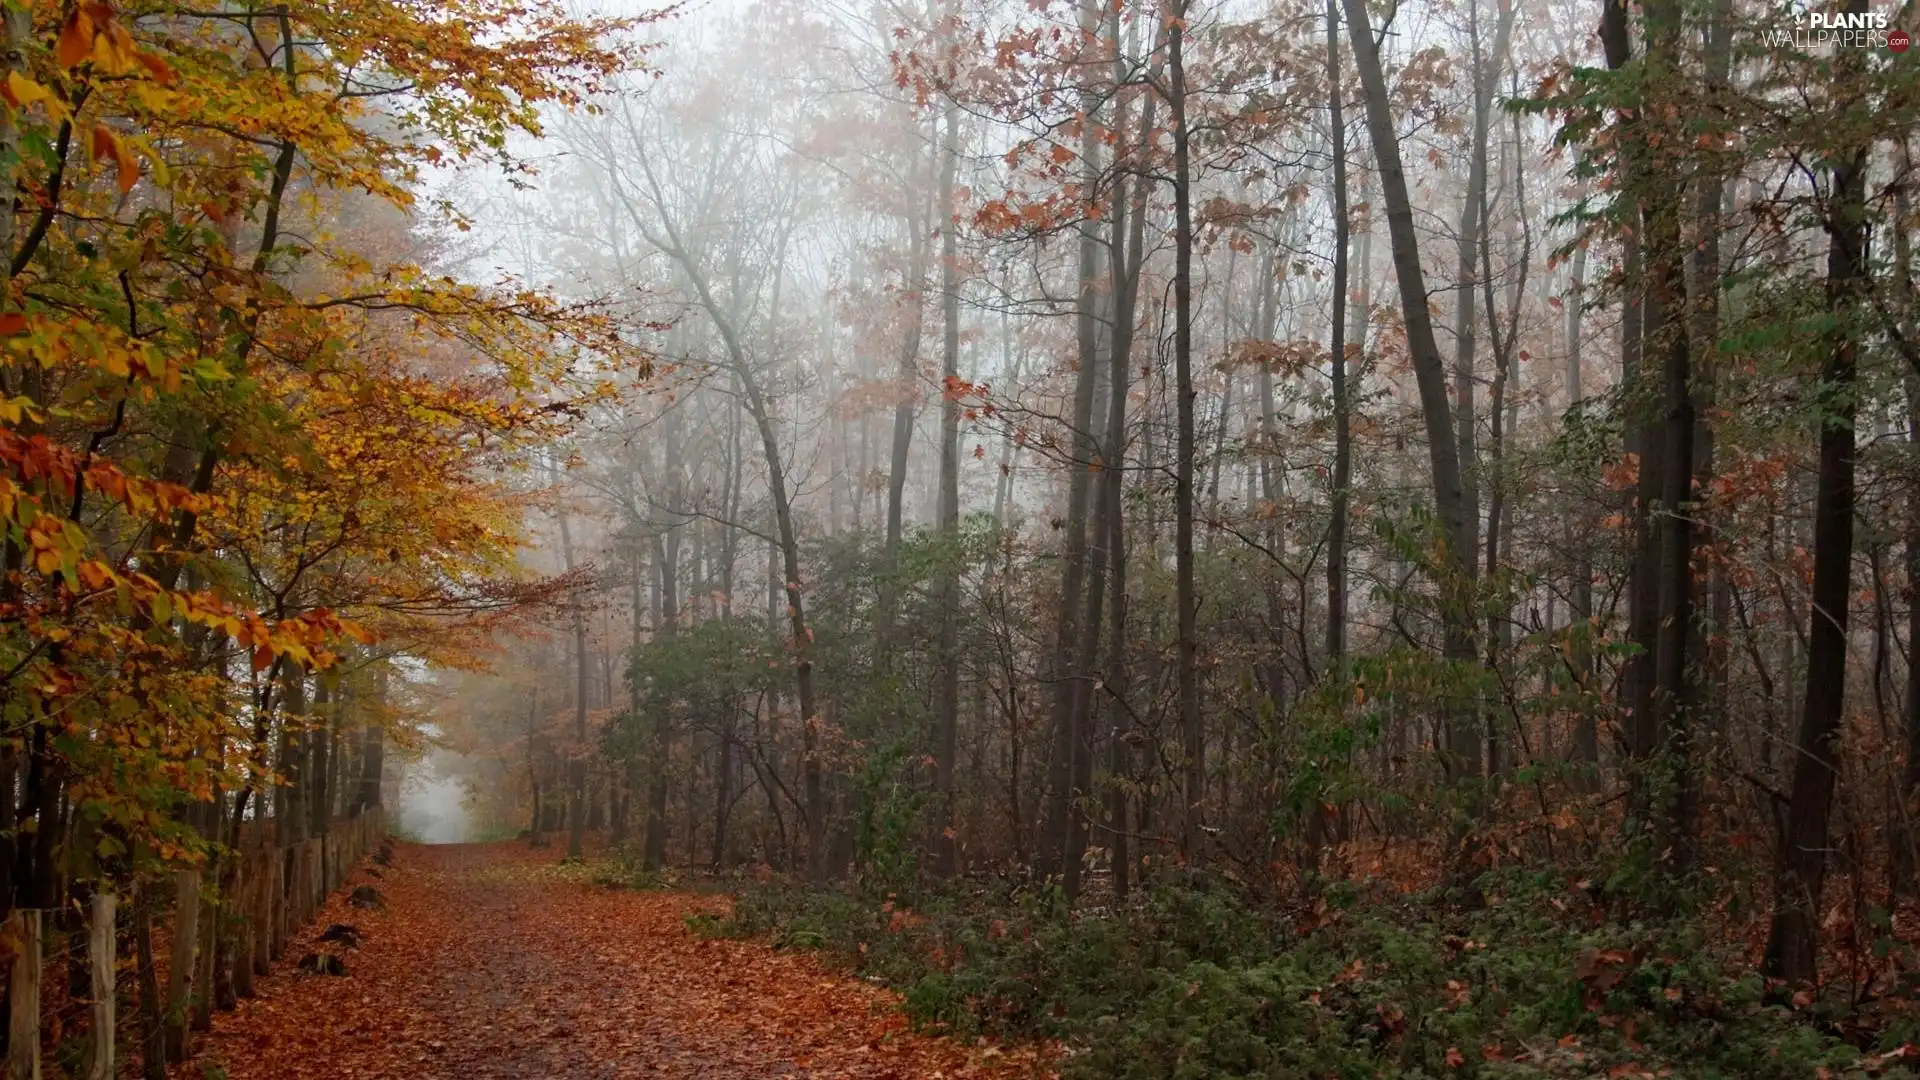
<point x="1456" y="569"/>
<point x="319" y="807"/>
<point x="1660" y="611"/>
<point x="536" y="822"/>
<point x="1337" y="355"/>
<point x="1707" y="645"/>
<point x="947" y="718"/>
<point x="666" y="555"/>
<point x="1050" y="854"/>
<point x="1188" y="671"/>
<point x="908" y="392"/>
<point x="1129" y="247"/>
<point x="1673" y="528"/>
<point x="373" y="746"/>
<point x="1585" y="751"/>
<point x="1906" y="846"/>
<point x="637" y="597"/>
<point x="723" y="790"/>
<point x="1472" y="234"/>
<point x="290" y="816"/>
<point x="1793" y="938"/>
<point x="577" y="760"/>
<point x="1273" y="675"/>
<point x="1010" y="449"/>
<point x="1647" y="323"/>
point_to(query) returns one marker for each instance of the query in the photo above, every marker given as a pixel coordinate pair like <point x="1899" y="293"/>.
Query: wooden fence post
<point x="263" y="911"/>
<point x="302" y="886"/>
<point x="296" y="898"/>
<point x="201" y="992"/>
<point x="181" y="969"/>
<point x="23" y="986"/>
<point x="100" y="951"/>
<point x="153" y="1064"/>
<point x="246" y="933"/>
<point x="278" y="865"/>
<point x="309" y="880"/>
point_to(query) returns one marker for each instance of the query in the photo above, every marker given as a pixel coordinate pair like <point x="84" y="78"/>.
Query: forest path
<point x="493" y="962"/>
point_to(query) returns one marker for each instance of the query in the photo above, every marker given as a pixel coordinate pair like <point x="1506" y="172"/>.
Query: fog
<point x="433" y="801"/>
<point x="880" y="256"/>
<point x="1036" y="420"/>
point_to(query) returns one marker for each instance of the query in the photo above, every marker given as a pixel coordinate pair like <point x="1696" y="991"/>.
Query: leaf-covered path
<point x="490" y="962"/>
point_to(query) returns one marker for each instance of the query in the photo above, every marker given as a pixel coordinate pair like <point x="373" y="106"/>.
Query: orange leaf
<point x="127" y="166"/>
<point x="1623" y="474"/>
<point x="76" y="39"/>
<point x="105" y="144"/>
<point x="156" y="67"/>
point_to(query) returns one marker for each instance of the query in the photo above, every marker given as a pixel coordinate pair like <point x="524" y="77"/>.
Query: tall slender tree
<point x="1793" y="937"/>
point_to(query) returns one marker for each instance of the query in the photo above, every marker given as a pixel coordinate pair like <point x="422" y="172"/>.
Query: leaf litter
<point x="490" y="962"/>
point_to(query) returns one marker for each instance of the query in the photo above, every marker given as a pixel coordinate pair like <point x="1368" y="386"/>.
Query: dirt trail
<point x="491" y="962"/>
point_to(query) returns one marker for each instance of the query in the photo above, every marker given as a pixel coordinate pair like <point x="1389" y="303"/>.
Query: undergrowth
<point x="1191" y="981"/>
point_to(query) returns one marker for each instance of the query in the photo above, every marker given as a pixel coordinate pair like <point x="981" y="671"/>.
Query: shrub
<point x="1191" y="981"/>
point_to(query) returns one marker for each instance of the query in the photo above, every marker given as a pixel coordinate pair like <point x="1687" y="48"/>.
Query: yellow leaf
<point x="21" y="91"/>
<point x="156" y="165"/>
<point x="113" y="48"/>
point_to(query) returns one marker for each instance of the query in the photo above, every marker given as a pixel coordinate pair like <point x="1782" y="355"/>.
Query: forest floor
<point x="495" y="962"/>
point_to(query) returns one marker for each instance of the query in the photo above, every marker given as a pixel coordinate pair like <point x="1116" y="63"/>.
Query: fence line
<point x="275" y="890"/>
